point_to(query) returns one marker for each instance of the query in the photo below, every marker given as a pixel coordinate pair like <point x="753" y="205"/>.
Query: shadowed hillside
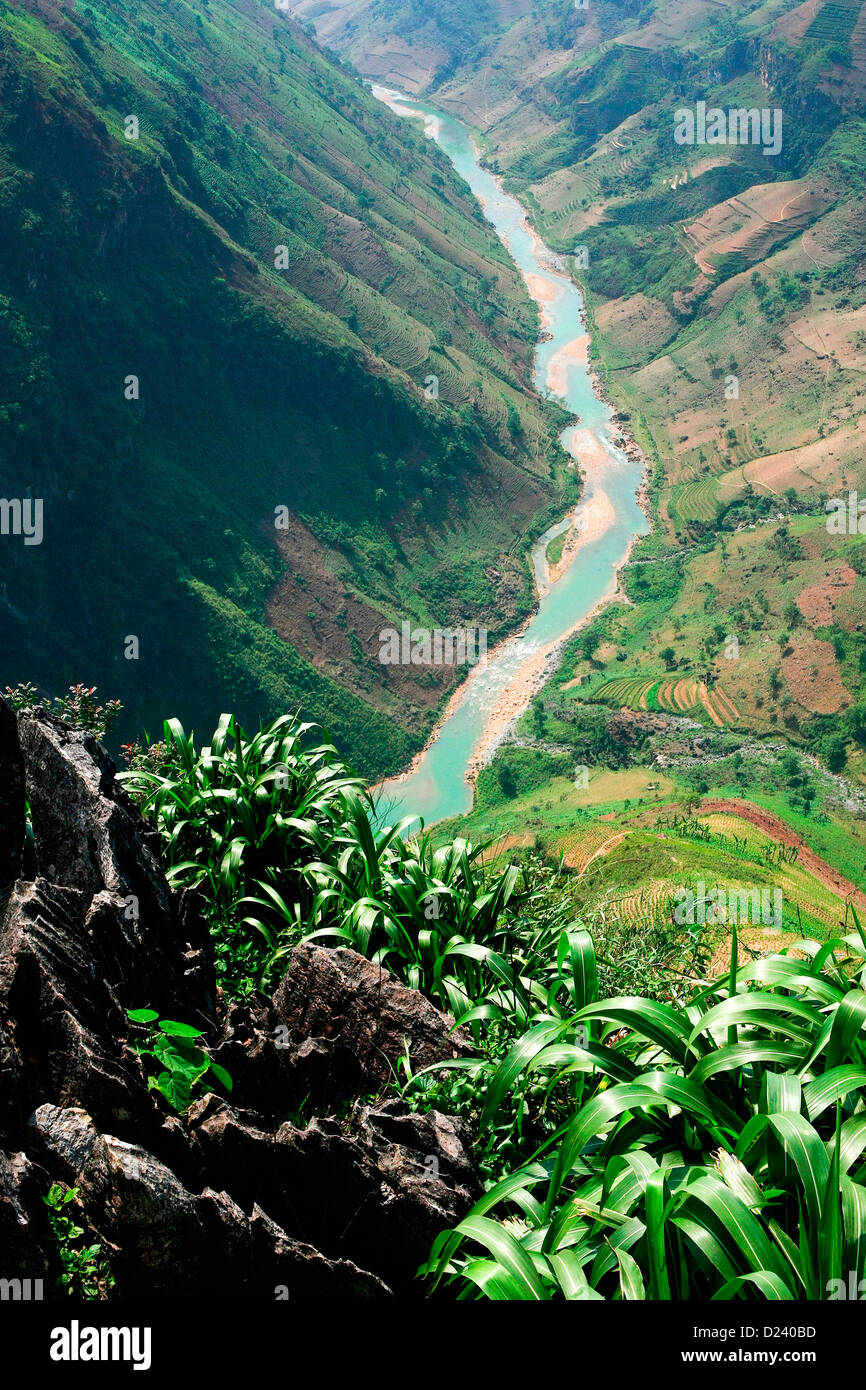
<point x="226" y="274"/>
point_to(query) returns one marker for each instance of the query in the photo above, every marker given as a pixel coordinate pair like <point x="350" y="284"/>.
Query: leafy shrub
<point x="78" y="708"/>
<point x="646" y="583"/>
<point x="84" y="1271"/>
<point x="517" y="771"/>
<point x="182" y="1063"/>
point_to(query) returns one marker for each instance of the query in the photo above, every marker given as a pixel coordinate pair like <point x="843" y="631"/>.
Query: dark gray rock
<point x="61" y="1012"/>
<point x="226" y="1201"/>
<point x="89" y="834"/>
<point x="275" y="1075"/>
<point x="249" y="1050"/>
<point x="424" y="1160"/>
<point x="290" y="1268"/>
<point x="90" y="837"/>
<point x="376" y="1191"/>
<point x="12" y="807"/>
<point x="169" y="1242"/>
<point x="11" y="1079"/>
<point x="312" y="1181"/>
<point x="23" y="1219"/>
<point x="339" y="996"/>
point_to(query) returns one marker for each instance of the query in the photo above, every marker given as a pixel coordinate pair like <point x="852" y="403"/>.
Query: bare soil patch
<point x="637" y="322"/>
<point x="818" y="602"/>
<point x="813" y="677"/>
<point x="311" y="609"/>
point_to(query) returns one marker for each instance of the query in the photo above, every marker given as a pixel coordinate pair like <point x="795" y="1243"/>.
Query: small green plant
<point x="78" y="708"/>
<point x="85" y="1273"/>
<point x="175" y="1050"/>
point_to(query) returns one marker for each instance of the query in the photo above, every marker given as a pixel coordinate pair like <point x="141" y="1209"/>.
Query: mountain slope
<point x="726" y="295"/>
<point x="281" y="265"/>
<point x="417" y="44"/>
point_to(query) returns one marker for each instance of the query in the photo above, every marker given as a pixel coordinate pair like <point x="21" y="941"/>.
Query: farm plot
<point x="579" y="847"/>
<point x="697" y="501"/>
<point x="834" y="22"/>
<point x="635" y="877"/>
<point x="676" y="696"/>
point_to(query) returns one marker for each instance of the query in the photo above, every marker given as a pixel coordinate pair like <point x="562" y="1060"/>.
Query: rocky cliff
<point x="230" y="1199"/>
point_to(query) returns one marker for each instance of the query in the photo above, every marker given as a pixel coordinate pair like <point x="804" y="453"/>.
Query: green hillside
<point x="281" y="265"/>
<point x="727" y="306"/>
<point x="267" y="389"/>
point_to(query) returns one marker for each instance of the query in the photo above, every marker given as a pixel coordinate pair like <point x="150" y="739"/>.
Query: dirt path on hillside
<point x="783" y="834"/>
<point x="603" y="849"/>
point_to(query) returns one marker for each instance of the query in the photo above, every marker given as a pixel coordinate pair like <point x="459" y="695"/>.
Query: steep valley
<point x="227" y="274"/>
<point x="725" y="295"/>
<point x="331" y="330"/>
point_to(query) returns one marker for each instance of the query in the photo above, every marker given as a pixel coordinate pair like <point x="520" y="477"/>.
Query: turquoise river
<point x="498" y="690"/>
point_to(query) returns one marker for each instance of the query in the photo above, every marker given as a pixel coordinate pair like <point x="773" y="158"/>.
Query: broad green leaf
<point x="780" y="1091"/>
<point x="737" y="1177"/>
<point x="738" y="1223"/>
<point x="656" y="1215"/>
<point x="766" y="1011"/>
<point x="832" y="1086"/>
<point x="222" y="1075"/>
<point x="743" y="1054"/>
<point x="630" y="1279"/>
<point x="853" y="1227"/>
<point x="576" y="955"/>
<point x="660" y="1023"/>
<point x="179" y="1030"/>
<point x="847" y="1028"/>
<point x="142" y="1015"/>
<point x="508" y="1253"/>
<point x="570" y="1277"/>
<point x="804" y="1146"/>
<point x="520" y="1055"/>
<point x="853" y="1141"/>
<point x="774" y="1289"/>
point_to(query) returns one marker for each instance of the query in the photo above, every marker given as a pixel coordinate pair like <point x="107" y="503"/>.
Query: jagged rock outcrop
<point x="347" y="1003"/>
<point x="231" y="1199"/>
<point x="11" y="800"/>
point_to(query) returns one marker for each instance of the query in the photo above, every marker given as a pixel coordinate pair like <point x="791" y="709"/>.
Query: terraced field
<point x="697" y="501"/>
<point x="633" y="874"/>
<point x="683" y="696"/>
<point x="646" y="904"/>
<point x="579" y="847"/>
<point x="834" y="22"/>
<point x="748" y="226"/>
<point x="857" y="41"/>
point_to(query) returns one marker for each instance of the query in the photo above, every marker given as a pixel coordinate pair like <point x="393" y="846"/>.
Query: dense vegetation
<point x="703" y="1140"/>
